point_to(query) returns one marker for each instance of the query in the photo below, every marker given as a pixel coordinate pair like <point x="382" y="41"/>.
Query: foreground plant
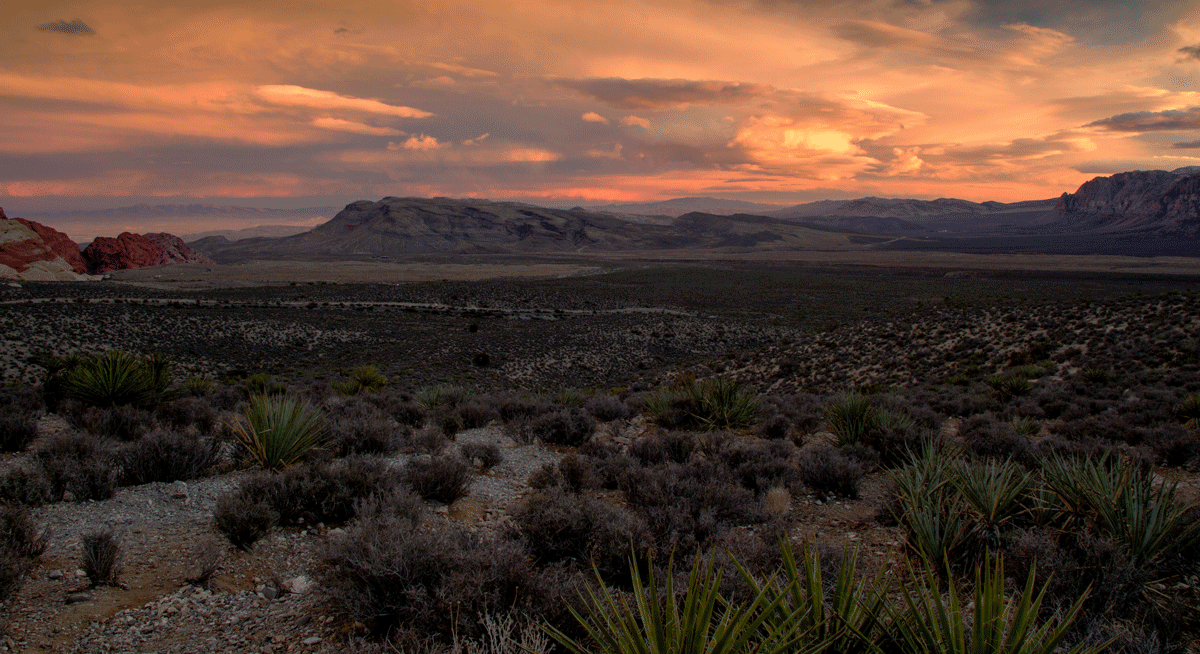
<point x="699" y="622"/>
<point x="928" y="623"/>
<point x="709" y="404"/>
<point x="847" y="617"/>
<point x="1120" y="499"/>
<point x="278" y="430"/>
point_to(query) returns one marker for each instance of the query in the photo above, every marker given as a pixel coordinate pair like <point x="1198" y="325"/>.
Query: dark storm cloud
<point x="1187" y="145"/>
<point x="74" y="26"/>
<point x="1190" y="51"/>
<point x="1151" y="121"/>
<point x="655" y="94"/>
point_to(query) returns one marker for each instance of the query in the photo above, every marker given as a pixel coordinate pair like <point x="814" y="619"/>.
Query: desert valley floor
<point x="556" y="396"/>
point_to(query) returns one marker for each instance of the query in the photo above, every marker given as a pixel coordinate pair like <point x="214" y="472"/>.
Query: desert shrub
<point x="829" y="472"/>
<point x="117" y="378"/>
<point x="557" y="526"/>
<point x="188" y="411"/>
<point x="357" y="428"/>
<point x="166" y="456"/>
<point x="805" y="411"/>
<point x="476" y="412"/>
<point x="17" y="429"/>
<point x="775" y="427"/>
<point x="850" y="418"/>
<point x="329" y="492"/>
<point x="991" y="438"/>
<point x="514" y="409"/>
<point x="440" y="478"/>
<point x="21" y="541"/>
<point x="225" y="398"/>
<point x="663" y="447"/>
<point x="607" y="408"/>
<point x="244" y="519"/>
<point x="278" y="430"/>
<point x="403" y="409"/>
<point x="78" y="464"/>
<point x="1173" y="445"/>
<point x="685" y="506"/>
<point x="569" y="427"/>
<point x="485" y="455"/>
<point x="101" y="557"/>
<point x="124" y="423"/>
<point x="760" y="467"/>
<point x="435" y="583"/>
<point x="361" y="379"/>
<point x="24" y="482"/>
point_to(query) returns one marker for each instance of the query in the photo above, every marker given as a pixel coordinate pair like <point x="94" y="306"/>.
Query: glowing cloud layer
<point x="563" y="101"/>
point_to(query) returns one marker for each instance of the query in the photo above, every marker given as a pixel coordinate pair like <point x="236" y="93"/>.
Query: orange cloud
<point x="299" y="96"/>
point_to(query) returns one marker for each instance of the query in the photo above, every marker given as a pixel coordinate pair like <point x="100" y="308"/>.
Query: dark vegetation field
<point x="1000" y="427"/>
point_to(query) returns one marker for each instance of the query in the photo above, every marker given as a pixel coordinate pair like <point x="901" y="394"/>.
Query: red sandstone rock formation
<point x="176" y="250"/>
<point x="29" y="250"/>
<point x="125" y="251"/>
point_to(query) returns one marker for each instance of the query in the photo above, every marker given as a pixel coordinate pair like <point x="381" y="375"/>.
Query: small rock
<point x="312" y="640"/>
<point x="179" y="491"/>
<point x="298" y="585"/>
<point x="55" y="574"/>
<point x="75" y="598"/>
<point x="270" y="592"/>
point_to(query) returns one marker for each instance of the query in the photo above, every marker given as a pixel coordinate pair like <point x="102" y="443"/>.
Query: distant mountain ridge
<point x="676" y="207"/>
<point x="416" y="226"/>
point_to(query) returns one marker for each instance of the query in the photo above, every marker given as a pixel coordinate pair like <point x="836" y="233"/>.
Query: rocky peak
<point x="1158" y="201"/>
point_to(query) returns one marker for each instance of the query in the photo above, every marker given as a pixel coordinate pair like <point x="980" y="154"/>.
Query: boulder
<point x="126" y="251"/>
<point x="33" y="252"/>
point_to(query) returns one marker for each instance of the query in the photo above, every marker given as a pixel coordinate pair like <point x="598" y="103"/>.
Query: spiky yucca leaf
<point x="994" y="491"/>
<point x="850" y="418"/>
<point x="927" y="623"/>
<point x="278" y="430"/>
<point x="701" y="622"/>
<point x="117" y="378"/>
<point x="848" y="618"/>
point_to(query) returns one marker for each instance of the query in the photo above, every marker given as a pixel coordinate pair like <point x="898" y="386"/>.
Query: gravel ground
<point x="260" y="601"/>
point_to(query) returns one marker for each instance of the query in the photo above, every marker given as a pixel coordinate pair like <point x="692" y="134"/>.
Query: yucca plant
<point x="117" y="378"/>
<point x="1119" y="499"/>
<point x="848" y="617"/>
<point x="996" y="494"/>
<point x="1188" y="411"/>
<point x="278" y="430"/>
<point x="448" y="396"/>
<point x="699" y="622"/>
<point x="198" y="386"/>
<point x="1009" y="386"/>
<point x="361" y="378"/>
<point x="928" y="623"/>
<point x="1026" y="426"/>
<point x="1096" y="375"/>
<point x="723" y="404"/>
<point x="850" y="418"/>
<point x="927" y="507"/>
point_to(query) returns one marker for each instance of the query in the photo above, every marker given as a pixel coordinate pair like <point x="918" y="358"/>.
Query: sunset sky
<point x="587" y="101"/>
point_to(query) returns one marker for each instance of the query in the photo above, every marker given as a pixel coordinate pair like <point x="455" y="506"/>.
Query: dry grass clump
<point x="101" y="557"/>
<point x="21" y="542"/>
